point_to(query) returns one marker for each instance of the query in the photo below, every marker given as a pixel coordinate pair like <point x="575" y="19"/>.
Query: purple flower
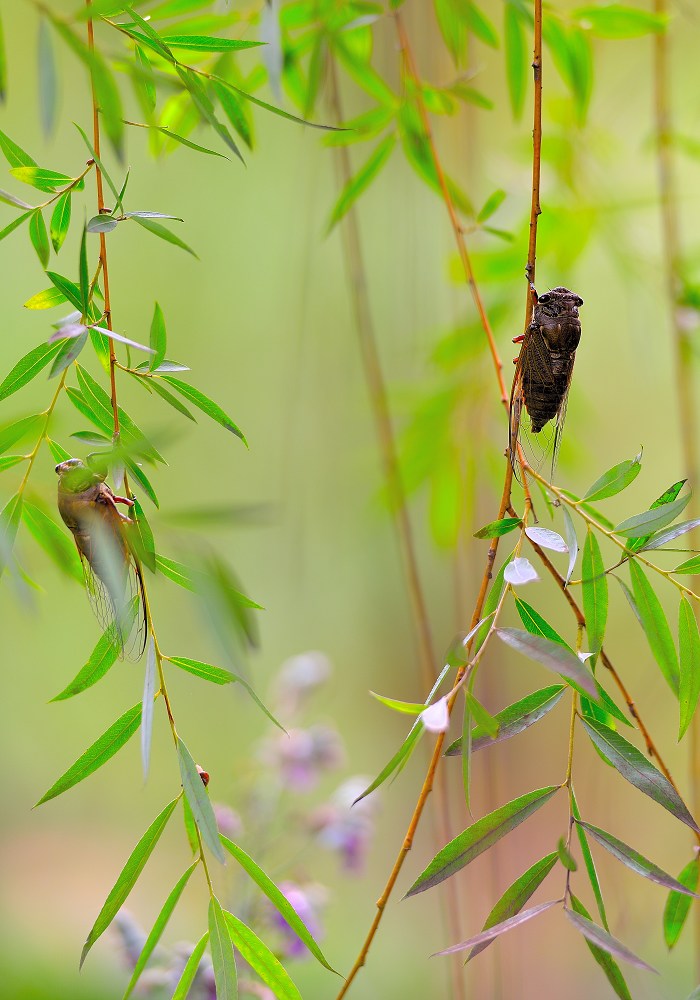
<point x="307" y="900"/>
<point x="300" y="755"/>
<point x="347" y="828"/>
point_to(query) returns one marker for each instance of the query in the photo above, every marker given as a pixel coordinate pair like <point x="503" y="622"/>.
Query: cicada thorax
<point x="546" y="363"/>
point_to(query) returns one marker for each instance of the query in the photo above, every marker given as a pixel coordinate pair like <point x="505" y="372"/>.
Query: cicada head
<point x="74" y="476"/>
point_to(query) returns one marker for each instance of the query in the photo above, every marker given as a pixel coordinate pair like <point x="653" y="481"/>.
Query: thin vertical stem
<point x="672" y="253"/>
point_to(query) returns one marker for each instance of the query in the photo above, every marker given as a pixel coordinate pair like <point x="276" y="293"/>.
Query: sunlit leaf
<point x="39" y="237"/>
<point x="222" y="957"/>
<point x="689" y="664"/>
<point x="102" y="750"/>
<point x="158" y="337"/>
<point x="14" y="154"/>
<point x="38" y="177"/>
<point x="655" y="625"/>
<point x="479" y="837"/>
<point x="259" y="957"/>
<point x="67" y="288"/>
<point x="615" y="480"/>
<point x="678" y="904"/>
<point x="638" y="770"/>
<point x="128" y="876"/>
<point x="497" y="528"/>
<point x="27" y="368"/>
<point x="595" y="593"/>
<point x="45" y="300"/>
<point x="204" y="43"/>
<point x="190" y="971"/>
<point x="60" y="221"/>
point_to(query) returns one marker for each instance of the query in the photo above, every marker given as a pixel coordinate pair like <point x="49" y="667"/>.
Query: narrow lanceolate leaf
<point x="47" y="299"/>
<point x="205" y="404"/>
<point x="660" y="538"/>
<point x="9" y="461"/>
<point x="39" y="237"/>
<point x="67" y="288"/>
<point x="497" y="528"/>
<point x="614" y="480"/>
<point x="27" y="368"/>
<point x="141" y="537"/>
<point x="565" y="856"/>
<point x="164" y="234"/>
<point x="277" y="898"/>
<point x="157" y="929"/>
<point x="222" y="957"/>
<point x="479" y="837"/>
<point x="691" y="567"/>
<point x="655" y="625"/>
<point x="208" y="43"/>
<point x="605" y="960"/>
<point x="103" y="656"/>
<point x="362" y="179"/>
<point x="98" y="753"/>
<point x="259" y="957"/>
<point x="652" y="520"/>
<point x="483" y="718"/>
<point x="571" y="541"/>
<point x="689" y="663"/>
<point x="595" y="593"/>
<point x="547" y="539"/>
<point x="634" y="860"/>
<point x="550" y="654"/>
<point x="515" y="897"/>
<point x="597" y="936"/>
<point x="158" y="339"/>
<point x="9" y="525"/>
<point x="14" y="154"/>
<point x="149" y="688"/>
<point x="48" y="87"/>
<point x="198" y="801"/>
<point x="513" y="720"/>
<point x="60" y="221"/>
<point x="204" y="670"/>
<point x="589" y="863"/>
<point x="640" y="772"/>
<point x="128" y="876"/>
<point x="190" y="971"/>
<point x="486" y="937"/>
<point x="678" y="904"/>
<point x="15" y="431"/>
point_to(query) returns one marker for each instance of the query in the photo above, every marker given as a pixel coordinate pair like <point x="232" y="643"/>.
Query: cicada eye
<point x="544" y="298"/>
<point x="578" y="301"/>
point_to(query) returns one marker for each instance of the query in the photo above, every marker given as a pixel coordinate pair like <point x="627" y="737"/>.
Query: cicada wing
<point x="533" y="371"/>
<point x="123" y="614"/>
<point x="559" y="425"/>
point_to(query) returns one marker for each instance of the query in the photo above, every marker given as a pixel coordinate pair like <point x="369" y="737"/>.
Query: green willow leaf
<point x="362" y="179"/>
<point x="175" y="571"/>
<point x="689" y="664"/>
<point x="39" y="237"/>
<point x="204" y="670"/>
<point x="128" y="877"/>
<point x="158" y="338"/>
<point x="616" y="20"/>
<point x="484" y="720"/>
<point x="660" y="538"/>
<point x="14" y="154"/>
<point x="15" y="224"/>
<point x="615" y="480"/>
<point x="205" y="404"/>
<point x="259" y="957"/>
<point x="515" y="897"/>
<point x="60" y="221"/>
<point x="235" y="112"/>
<point x="67" y="288"/>
<point x="601" y="939"/>
<point x="497" y="528"/>
<point x="222" y="957"/>
<point x="153" y="385"/>
<point x="12" y="433"/>
<point x="137" y="473"/>
<point x="54" y="540"/>
<point x="589" y="863"/>
<point x="690" y="567"/>
<point x="668" y="496"/>
<point x="640" y="772"/>
<point x="47" y="299"/>
<point x="678" y="904"/>
<point x="552" y="655"/>
<point x="655" y="626"/>
<point x="634" y="860"/>
<point x="605" y="960"/>
<point x="157" y="929"/>
<point x="198" y="801"/>
<point x="58" y="453"/>
<point x="68" y="352"/>
<point x="516" y="57"/>
<point x="514" y="719"/>
<point x="208" y="43"/>
<point x="187" y="142"/>
<point x="479" y="837"/>
<point x="9" y="525"/>
<point x="486" y="937"/>
<point x="102" y="750"/>
<point x="565" y="856"/>
<point x="103" y="170"/>
<point x="38" y="177"/>
<point x="164" y="234"/>
<point x="278" y="900"/>
<point x="9" y="461"/>
<point x="595" y="594"/>
<point x="481" y="26"/>
<point x="27" y="368"/>
<point x="491" y="205"/>
<point x="190" y="971"/>
<point x="652" y="520"/>
<point x="103" y="656"/>
<point x="141" y="537"/>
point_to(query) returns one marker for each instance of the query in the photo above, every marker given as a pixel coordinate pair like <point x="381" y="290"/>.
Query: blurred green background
<point x="265" y="322"/>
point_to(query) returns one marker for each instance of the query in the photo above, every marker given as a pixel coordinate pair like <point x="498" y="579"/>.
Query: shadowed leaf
<point x="603" y="958"/>
<point x="486" y="937"/>
<point x="550" y="654"/>
<point x="513" y="720"/>
<point x="198" y="801"/>
<point x="633" y="859"/>
<point x="597" y="936"/>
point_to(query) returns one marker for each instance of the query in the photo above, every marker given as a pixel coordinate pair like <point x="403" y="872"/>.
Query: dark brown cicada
<point x="545" y="365"/>
<point x="112" y="570"/>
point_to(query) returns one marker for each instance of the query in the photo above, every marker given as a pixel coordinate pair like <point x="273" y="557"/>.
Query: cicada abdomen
<point x="112" y="571"/>
<point x="545" y="365"/>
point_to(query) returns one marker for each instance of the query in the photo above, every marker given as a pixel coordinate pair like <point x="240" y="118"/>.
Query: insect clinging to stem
<point x="545" y="364"/>
<point x="112" y="570"/>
